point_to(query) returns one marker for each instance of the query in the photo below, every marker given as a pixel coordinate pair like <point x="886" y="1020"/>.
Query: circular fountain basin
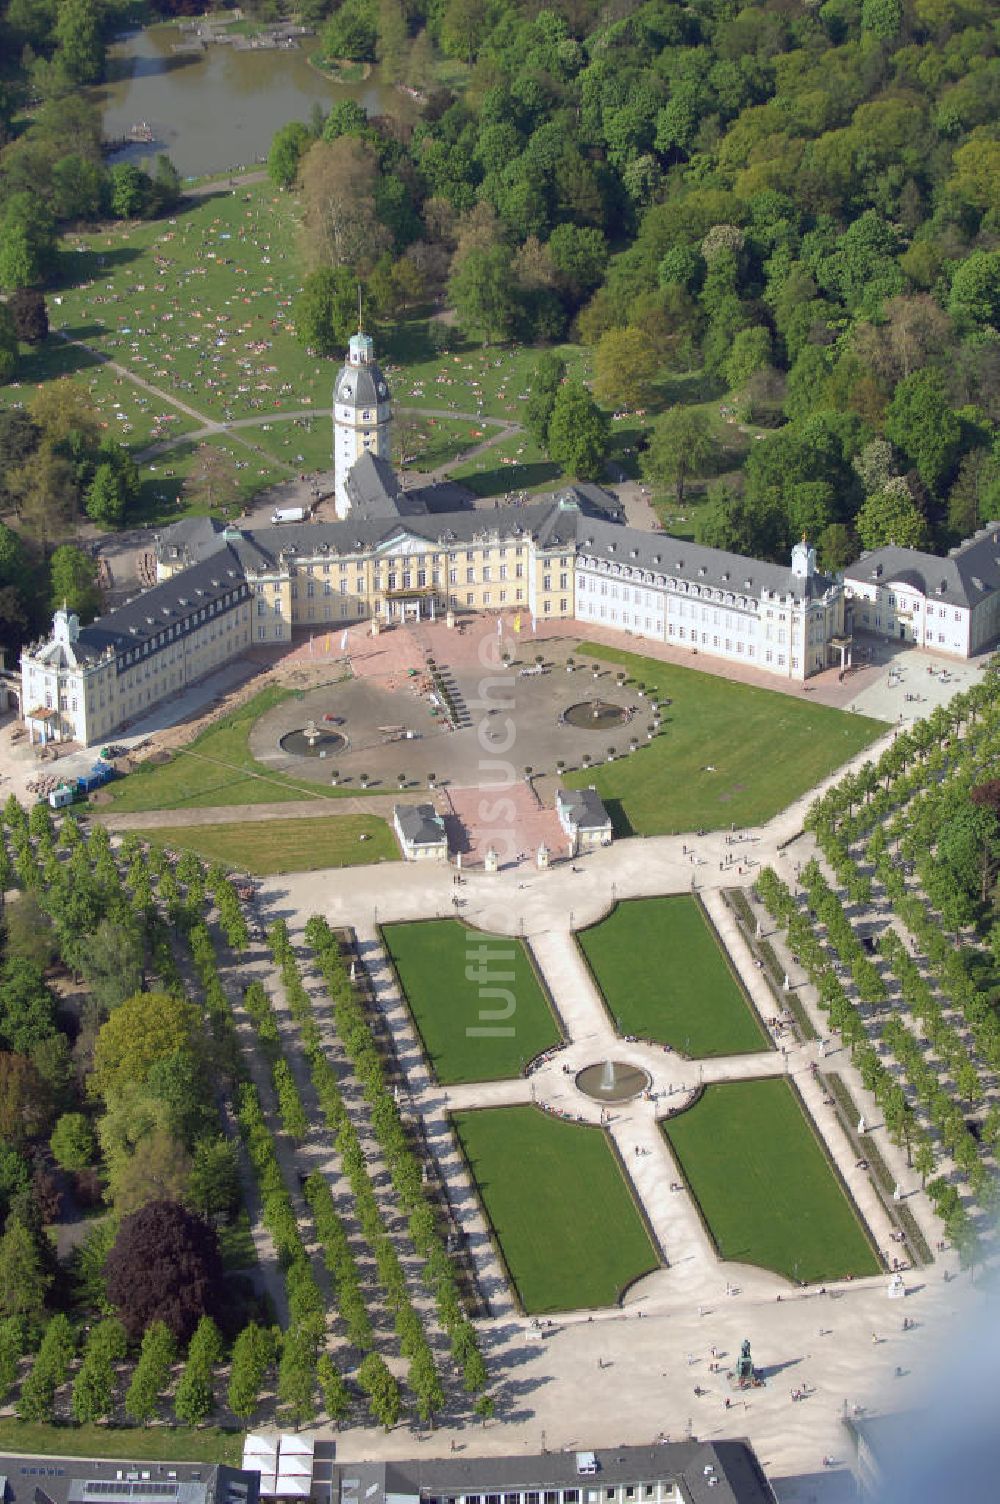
<point x="595" y="715"/>
<point x="312" y="744"/>
<point x="612" y="1081"/>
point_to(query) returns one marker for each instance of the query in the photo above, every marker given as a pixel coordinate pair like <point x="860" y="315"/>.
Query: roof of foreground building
<point x="964" y="577"/>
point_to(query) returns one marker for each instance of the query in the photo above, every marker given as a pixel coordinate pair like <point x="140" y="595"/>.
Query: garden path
<point x="268" y="1267"/>
<point x="319" y="1152"/>
<point x="209" y="426"/>
<point x="428" y="1099"/>
<point x="505" y="429"/>
<point x="685" y="1305"/>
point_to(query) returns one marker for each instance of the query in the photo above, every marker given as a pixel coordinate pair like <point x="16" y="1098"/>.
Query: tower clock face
<point x="346" y="391"/>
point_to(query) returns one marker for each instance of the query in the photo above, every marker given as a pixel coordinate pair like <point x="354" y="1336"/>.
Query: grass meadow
<point x="728" y="753"/>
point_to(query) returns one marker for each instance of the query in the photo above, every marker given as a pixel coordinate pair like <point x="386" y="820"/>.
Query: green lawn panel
<point x="217" y="769"/>
<point x="263" y="847"/>
<point x="766" y="1188"/>
<point x="665" y="977"/>
<point x="559" y="1205"/>
<point x="451" y="1009"/>
<point x="727" y="754"/>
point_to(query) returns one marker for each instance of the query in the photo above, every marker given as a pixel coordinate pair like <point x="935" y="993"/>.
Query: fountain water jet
<point x="612" y="1081"/>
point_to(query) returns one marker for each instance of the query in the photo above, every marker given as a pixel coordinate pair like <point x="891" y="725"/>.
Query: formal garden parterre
<point x="560" y="1206"/>
<point x="765" y="1185"/>
<point x="664" y="976"/>
<point x="477" y="1000"/>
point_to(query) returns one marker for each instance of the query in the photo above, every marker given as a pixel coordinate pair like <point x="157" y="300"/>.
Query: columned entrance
<point x="843" y="646"/>
<point x="409" y="606"/>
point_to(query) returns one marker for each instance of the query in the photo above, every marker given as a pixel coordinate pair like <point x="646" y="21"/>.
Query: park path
<point x="223" y="814"/>
<point x="319" y="1153"/>
<point x="226" y="181"/>
<point x="505" y="427"/>
<point x="208" y="426"/>
<point x="422" y="1094"/>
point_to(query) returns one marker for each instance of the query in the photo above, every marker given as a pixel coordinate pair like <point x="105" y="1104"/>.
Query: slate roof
<point x="583" y="808"/>
<point x="733" y="1464"/>
<point x="574" y="519"/>
<point x="190" y="539"/>
<point x="965" y="576"/>
<point x="443" y="496"/>
<point x="170" y="603"/>
<point x="374" y="491"/>
<point x="680" y="559"/>
<point x="360" y="385"/>
<point x="68" y="1480"/>
<point x="420" y="824"/>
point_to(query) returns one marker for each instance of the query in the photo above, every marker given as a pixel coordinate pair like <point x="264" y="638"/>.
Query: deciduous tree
<point x="680" y="446"/>
<point x="625" y="367"/>
<point x="73" y="581"/>
<point x="891" y="516"/>
<point x="213" y="479"/>
<point x="579" y="433"/>
<point x="164" y="1266"/>
<point x="31" y="319"/>
<point x="339" y="225"/>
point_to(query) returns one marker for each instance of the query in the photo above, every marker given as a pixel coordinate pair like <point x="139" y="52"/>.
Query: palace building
<point x="400" y="555"/>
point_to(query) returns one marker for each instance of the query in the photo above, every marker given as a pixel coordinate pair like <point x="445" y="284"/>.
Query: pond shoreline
<point x="212" y="107"/>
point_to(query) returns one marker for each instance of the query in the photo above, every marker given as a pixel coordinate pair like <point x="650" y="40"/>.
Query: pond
<point x="218" y="108"/>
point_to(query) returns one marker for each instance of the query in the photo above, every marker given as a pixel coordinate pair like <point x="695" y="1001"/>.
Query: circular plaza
<point x="435" y="724"/>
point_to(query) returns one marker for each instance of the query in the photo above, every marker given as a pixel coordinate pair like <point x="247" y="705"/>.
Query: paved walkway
<point x="696" y="1301"/>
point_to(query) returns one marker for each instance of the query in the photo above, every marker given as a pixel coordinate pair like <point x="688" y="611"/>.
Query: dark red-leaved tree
<point x="987" y="795"/>
<point x="31" y="319"/>
<point x="164" y="1266"/>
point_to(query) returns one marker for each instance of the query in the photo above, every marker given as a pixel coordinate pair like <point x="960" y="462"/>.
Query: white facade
<point x="902" y="611"/>
<point x="722" y="612"/>
<point x="420" y="832"/>
<point x="361" y="415"/>
<point x="84" y="683"/>
<point x="947" y="605"/>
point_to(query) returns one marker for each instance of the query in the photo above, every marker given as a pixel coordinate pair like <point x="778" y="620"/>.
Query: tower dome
<point x="361" y="414"/>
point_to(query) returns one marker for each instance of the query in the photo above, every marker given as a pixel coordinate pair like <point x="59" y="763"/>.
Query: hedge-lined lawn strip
<point x="139" y="1443"/>
<point x="479" y="1027"/>
<point x="559" y="1205"/>
<point x="766" y="1188"/>
<point x="728" y="752"/>
<point x="665" y="977"/>
<point x="267" y="846"/>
